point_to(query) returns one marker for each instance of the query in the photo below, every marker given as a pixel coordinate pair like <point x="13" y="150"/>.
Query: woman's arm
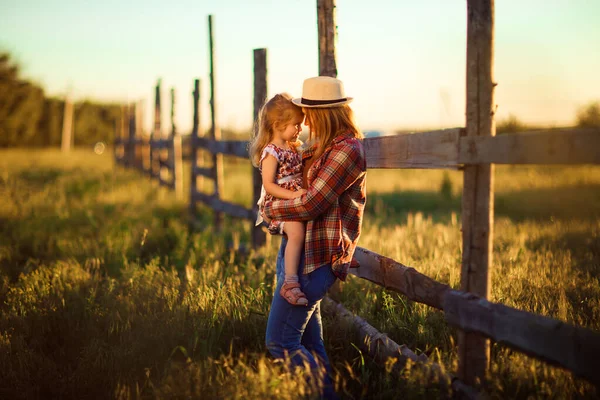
<point x="269" y="175"/>
<point x="344" y="164"/>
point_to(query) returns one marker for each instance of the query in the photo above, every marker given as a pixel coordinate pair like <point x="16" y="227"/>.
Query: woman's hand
<point x="299" y="193"/>
<point x="266" y="219"/>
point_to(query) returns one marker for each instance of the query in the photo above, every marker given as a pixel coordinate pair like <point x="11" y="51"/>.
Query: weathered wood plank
<point x="258" y="235"/>
<point x="478" y="183"/>
<point x="434" y="149"/>
<point x="215" y="129"/>
<point x="67" y="126"/>
<point x="234" y="210"/>
<point x="177" y="166"/>
<point x="160" y="144"/>
<point x="327" y="31"/>
<point x="447" y="149"/>
<point x="238" y="148"/>
<point x="381" y="348"/>
<point x="155" y="133"/>
<point x="203" y="171"/>
<point x="392" y="275"/>
<point x="562" y="146"/>
<point x="165" y="163"/>
<point x="574" y="348"/>
<point x="378" y="345"/>
<point x="186" y="146"/>
<point x="196" y="179"/>
<point x="124" y="134"/>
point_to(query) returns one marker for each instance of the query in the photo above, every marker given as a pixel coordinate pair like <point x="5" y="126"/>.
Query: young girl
<point x="274" y="151"/>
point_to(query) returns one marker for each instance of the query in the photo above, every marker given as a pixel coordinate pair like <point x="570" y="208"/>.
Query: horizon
<point x="545" y="65"/>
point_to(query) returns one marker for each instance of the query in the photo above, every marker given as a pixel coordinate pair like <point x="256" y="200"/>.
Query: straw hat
<point x="322" y="91"/>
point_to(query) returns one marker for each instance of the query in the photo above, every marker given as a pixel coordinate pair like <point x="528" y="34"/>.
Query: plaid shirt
<point x="333" y="205"/>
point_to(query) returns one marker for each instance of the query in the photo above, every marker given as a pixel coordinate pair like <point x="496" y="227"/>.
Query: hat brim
<point x="298" y="102"/>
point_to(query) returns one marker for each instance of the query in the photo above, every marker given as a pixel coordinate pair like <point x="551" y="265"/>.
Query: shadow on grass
<point x="99" y="230"/>
<point x="40" y="177"/>
<point x="88" y="334"/>
<point x="577" y="202"/>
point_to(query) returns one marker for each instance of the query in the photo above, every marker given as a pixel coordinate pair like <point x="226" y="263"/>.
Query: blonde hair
<point x="327" y="123"/>
<point x="278" y="111"/>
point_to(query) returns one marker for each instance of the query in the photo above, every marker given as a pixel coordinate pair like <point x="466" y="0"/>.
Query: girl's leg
<point x="295" y="245"/>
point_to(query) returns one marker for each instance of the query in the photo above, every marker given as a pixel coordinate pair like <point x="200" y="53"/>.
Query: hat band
<point x="309" y="102"/>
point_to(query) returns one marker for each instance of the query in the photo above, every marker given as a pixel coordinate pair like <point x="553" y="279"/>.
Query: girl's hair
<point x="278" y="111"/>
<point x="326" y="123"/>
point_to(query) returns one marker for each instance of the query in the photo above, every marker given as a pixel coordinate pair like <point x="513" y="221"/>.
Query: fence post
<point x="67" y="128"/>
<point x="116" y="142"/>
<point x="119" y="135"/>
<point x="194" y="150"/>
<point x="327" y="28"/>
<point x="175" y="153"/>
<point x="124" y="135"/>
<point x="131" y="137"/>
<point x="140" y="157"/>
<point x="215" y="130"/>
<point x="259" y="237"/>
<point x="327" y="37"/>
<point x="155" y="136"/>
<point x="478" y="197"/>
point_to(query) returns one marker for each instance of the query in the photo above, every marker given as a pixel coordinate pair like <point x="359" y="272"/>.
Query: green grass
<point x="106" y="293"/>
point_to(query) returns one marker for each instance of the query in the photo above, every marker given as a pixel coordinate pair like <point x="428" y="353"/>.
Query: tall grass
<point x="105" y="292"/>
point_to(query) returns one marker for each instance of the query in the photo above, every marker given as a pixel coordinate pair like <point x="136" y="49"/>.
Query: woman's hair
<point x="278" y="111"/>
<point x="326" y="123"/>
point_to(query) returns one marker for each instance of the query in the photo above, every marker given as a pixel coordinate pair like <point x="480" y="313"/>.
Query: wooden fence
<point x="474" y="150"/>
<point x="156" y="155"/>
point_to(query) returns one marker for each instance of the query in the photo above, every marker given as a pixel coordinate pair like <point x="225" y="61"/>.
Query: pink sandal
<point x="294" y="297"/>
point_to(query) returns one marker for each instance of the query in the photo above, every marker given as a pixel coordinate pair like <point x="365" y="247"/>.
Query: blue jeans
<point x="297" y="331"/>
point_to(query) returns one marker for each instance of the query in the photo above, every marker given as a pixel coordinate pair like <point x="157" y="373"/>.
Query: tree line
<point x="29" y="118"/>
<point x="588" y="116"/>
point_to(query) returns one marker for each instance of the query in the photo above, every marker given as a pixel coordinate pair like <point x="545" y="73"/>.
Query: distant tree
<point x="589" y="116"/>
<point x="29" y="118"/>
<point x="511" y="124"/>
<point x="50" y="125"/>
<point x="21" y="105"/>
<point x="95" y="122"/>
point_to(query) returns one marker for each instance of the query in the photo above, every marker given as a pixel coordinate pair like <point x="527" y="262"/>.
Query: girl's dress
<point x="289" y="176"/>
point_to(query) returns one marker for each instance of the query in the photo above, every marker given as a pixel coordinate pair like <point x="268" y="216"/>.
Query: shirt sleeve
<point x="269" y="149"/>
<point x="344" y="164"/>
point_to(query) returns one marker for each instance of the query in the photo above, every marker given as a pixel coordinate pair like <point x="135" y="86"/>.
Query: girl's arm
<point x="344" y="165"/>
<point x="269" y="175"/>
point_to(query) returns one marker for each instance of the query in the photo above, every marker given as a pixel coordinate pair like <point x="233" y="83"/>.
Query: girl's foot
<point x="292" y="293"/>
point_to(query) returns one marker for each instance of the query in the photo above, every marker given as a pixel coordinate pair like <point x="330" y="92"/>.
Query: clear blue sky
<point x="403" y="61"/>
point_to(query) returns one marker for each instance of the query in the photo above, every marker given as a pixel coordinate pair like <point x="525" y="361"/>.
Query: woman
<point x="333" y="207"/>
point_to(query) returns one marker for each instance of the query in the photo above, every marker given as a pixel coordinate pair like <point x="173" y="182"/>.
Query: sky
<point x="403" y="61"/>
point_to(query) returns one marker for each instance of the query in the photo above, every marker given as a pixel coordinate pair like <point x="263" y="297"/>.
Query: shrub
<point x="589" y="116"/>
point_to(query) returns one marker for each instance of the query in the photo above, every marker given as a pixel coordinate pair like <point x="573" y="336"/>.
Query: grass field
<point x="93" y="303"/>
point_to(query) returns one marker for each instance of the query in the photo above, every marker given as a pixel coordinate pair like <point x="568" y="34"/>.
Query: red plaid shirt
<point x="333" y="205"/>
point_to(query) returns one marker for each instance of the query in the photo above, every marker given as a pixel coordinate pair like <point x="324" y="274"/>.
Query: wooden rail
<point x="158" y="156"/>
<point x="473" y="149"/>
<point x="435" y="149"/>
<point x="569" y="346"/>
<point x="555" y="146"/>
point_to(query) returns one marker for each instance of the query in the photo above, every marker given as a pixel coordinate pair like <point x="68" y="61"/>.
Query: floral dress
<point x="289" y="176"/>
